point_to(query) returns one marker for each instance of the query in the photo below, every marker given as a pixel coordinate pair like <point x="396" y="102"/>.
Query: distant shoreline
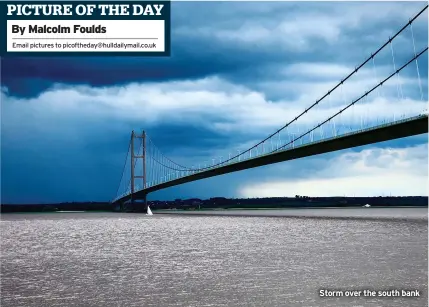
<point x="221" y="211"/>
<point x="222" y="203"/>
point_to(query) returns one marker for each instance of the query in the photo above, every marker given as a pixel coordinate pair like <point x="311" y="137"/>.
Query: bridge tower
<point x="137" y="206"/>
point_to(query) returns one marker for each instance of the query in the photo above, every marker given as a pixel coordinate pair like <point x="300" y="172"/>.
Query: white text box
<point x="85" y="35"/>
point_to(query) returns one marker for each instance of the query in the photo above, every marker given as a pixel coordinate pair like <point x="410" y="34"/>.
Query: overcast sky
<point x="238" y="71"/>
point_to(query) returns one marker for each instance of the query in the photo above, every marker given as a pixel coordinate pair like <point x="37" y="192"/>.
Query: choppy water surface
<point x="108" y="259"/>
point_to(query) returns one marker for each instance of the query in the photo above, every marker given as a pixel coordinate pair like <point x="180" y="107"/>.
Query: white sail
<point x="149" y="212"/>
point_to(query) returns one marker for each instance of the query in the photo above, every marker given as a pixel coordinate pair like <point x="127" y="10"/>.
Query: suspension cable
<point x="123" y="170"/>
<point x="357" y="100"/>
<point x="357" y="68"/>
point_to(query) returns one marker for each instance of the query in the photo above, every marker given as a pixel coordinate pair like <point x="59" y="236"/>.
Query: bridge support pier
<point x="145" y="203"/>
<point x="138" y="205"/>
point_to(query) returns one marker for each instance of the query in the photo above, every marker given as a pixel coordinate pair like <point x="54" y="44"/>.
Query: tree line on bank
<point x="229" y="203"/>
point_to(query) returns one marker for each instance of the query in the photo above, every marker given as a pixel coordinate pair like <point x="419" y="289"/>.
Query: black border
<point x="166" y="16"/>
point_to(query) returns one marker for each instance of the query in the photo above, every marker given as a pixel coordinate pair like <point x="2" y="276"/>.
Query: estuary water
<point x="119" y="259"/>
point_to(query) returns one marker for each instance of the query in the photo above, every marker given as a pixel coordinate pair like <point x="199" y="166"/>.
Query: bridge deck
<point x="395" y="130"/>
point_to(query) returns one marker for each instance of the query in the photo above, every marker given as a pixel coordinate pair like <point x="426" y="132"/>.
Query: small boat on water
<point x="149" y="212"/>
<point x="366" y="206"/>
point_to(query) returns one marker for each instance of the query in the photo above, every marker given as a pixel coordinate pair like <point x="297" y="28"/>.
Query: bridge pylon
<point x="138" y="207"/>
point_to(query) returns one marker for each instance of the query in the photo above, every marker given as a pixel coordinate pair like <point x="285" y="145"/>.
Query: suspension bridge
<point x="376" y="113"/>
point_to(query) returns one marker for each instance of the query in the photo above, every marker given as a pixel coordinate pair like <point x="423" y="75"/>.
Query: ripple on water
<point x="86" y="259"/>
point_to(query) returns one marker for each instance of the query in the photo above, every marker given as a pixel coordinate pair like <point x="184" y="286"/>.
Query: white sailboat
<point x="149" y="212"/>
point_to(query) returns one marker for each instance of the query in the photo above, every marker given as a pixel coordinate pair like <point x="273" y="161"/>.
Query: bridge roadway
<point x="395" y="130"/>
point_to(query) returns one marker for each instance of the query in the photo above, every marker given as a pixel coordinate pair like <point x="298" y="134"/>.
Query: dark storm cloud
<point x="200" y="49"/>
